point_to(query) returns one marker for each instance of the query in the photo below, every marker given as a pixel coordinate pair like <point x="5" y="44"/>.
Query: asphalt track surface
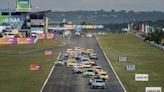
<point x="62" y="79"/>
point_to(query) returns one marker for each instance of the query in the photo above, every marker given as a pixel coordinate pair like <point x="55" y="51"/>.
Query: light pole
<point x="38" y="17"/>
<point x="8" y="4"/>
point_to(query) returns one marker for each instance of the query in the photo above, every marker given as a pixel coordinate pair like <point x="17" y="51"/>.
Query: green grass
<point x="15" y="75"/>
<point x="39" y="45"/>
<point x="148" y="60"/>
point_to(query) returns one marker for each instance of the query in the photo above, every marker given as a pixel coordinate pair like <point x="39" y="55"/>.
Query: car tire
<point x="92" y="87"/>
<point x="103" y="87"/>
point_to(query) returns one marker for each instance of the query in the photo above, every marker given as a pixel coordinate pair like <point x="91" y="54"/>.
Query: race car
<point x="65" y="56"/>
<point x="89" y="72"/>
<point x="83" y="51"/>
<point x="71" y="62"/>
<point x="60" y="62"/>
<point x="77" y="56"/>
<point x="69" y="50"/>
<point x="84" y="58"/>
<point x="98" y="83"/>
<point x="93" y="62"/>
<point x="89" y="35"/>
<point x="91" y="79"/>
<point x="93" y="56"/>
<point x="103" y="74"/>
<point x="78" y="68"/>
<point x="87" y="64"/>
<point x="88" y="51"/>
<point x="77" y="49"/>
<point x="97" y="68"/>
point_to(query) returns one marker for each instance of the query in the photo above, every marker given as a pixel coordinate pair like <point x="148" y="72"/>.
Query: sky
<point x="108" y="5"/>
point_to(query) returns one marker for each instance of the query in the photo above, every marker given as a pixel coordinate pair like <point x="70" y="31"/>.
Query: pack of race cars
<point x="83" y="61"/>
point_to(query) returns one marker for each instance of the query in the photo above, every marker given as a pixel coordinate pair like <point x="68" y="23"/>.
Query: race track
<point x="62" y="79"/>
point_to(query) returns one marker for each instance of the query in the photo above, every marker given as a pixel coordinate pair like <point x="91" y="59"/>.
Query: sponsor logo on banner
<point x="25" y="40"/>
<point x="35" y="67"/>
<point x="99" y="26"/>
<point x="78" y="26"/>
<point x="69" y="26"/>
<point x="48" y="52"/>
<point x="153" y="89"/>
<point x="23" y="5"/>
<point x="6" y="41"/>
<point x="50" y="36"/>
<point x="122" y="58"/>
<point x="42" y="36"/>
<point x="13" y="21"/>
<point x="130" y="67"/>
<point x="90" y="26"/>
<point x="141" y="77"/>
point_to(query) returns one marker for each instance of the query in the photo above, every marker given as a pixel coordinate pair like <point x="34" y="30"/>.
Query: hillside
<point x="102" y="16"/>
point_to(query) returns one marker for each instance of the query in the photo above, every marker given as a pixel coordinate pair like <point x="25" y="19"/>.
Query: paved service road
<point x="62" y="79"/>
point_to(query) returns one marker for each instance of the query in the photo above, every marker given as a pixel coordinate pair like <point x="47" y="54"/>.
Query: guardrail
<point x="150" y="42"/>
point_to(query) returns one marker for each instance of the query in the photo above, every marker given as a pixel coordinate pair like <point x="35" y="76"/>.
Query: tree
<point x="156" y="35"/>
<point x="83" y="23"/>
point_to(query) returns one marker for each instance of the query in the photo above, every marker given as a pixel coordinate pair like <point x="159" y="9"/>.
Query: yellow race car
<point x="103" y="75"/>
<point x="87" y="64"/>
<point x="93" y="62"/>
<point x="71" y="62"/>
<point x="83" y="51"/>
<point x="89" y="50"/>
<point x="69" y="50"/>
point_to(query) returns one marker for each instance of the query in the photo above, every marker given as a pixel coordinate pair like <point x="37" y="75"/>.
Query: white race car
<point x="98" y="83"/>
<point x="89" y="35"/>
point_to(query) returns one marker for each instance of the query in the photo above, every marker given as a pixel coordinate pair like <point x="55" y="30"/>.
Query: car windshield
<point x="87" y="63"/>
<point x="85" y="57"/>
<point x="80" y="67"/>
<point x="104" y="74"/>
<point x="98" y="68"/>
<point x="90" y="70"/>
<point x="100" y="81"/>
<point x="72" y="61"/>
<point x="96" y="77"/>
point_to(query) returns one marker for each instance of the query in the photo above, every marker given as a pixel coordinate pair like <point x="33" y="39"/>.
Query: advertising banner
<point x="78" y="26"/>
<point x="48" y="52"/>
<point x="13" y="21"/>
<point x="23" y="5"/>
<point x="141" y="77"/>
<point x="99" y="26"/>
<point x="50" y="35"/>
<point x="35" y="67"/>
<point x="6" y="41"/>
<point x="130" y="67"/>
<point x="26" y="40"/>
<point x="69" y="26"/>
<point x="42" y="36"/>
<point x="122" y="58"/>
<point x="37" y="30"/>
<point x="90" y="27"/>
<point x="153" y="89"/>
<point x="46" y="36"/>
<point x="37" y="22"/>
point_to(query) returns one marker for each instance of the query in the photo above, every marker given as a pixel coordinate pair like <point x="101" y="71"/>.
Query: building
<point x="25" y="22"/>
